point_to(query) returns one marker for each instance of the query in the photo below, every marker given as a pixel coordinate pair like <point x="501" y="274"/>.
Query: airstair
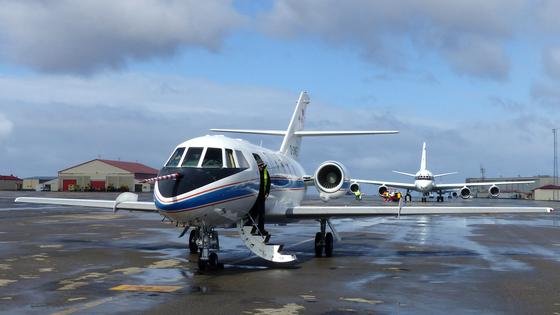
<point x="258" y="244"/>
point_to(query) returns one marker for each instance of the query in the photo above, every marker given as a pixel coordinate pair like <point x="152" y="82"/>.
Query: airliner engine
<point x="382" y="189"/>
<point x="331" y="180"/>
<point x="494" y="191"/>
<point x="465" y="192"/>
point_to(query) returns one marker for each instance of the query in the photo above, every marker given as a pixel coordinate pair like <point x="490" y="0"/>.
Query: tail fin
<point x="292" y="142"/>
<point x="292" y="136"/>
<point x="423" y="161"/>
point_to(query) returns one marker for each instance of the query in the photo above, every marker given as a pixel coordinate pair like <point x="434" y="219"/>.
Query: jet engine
<point x="331" y="180"/>
<point x="382" y="189"/>
<point x="354" y="187"/>
<point x="465" y="192"/>
<point x="494" y="191"/>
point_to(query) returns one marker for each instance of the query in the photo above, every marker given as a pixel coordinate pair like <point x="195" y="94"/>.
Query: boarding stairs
<point x="258" y="243"/>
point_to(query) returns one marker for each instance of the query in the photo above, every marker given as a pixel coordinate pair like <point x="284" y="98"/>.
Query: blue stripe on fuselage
<point x="224" y="194"/>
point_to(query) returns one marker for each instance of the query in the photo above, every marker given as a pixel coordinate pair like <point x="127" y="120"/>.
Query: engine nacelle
<point x="382" y="189"/>
<point x="354" y="187"/>
<point x="494" y="191"/>
<point x="465" y="192"/>
<point x="331" y="180"/>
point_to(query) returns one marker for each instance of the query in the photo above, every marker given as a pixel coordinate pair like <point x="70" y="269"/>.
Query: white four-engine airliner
<point x="213" y="181"/>
<point x="424" y="182"/>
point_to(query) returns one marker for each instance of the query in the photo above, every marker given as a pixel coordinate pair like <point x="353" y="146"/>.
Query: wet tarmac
<point x="70" y="260"/>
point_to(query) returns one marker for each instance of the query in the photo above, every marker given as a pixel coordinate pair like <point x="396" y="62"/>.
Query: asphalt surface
<point x="69" y="260"/>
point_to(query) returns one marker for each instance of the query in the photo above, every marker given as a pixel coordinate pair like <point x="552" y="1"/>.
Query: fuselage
<point x="219" y="181"/>
<point x="424" y="181"/>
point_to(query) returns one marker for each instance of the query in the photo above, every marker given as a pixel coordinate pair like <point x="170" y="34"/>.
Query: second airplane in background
<point x="424" y="182"/>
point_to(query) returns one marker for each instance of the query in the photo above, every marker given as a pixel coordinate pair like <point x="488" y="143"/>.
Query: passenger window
<point x="230" y="162"/>
<point x="175" y="158"/>
<point x="213" y="158"/>
<point x="192" y="157"/>
<point x="241" y="161"/>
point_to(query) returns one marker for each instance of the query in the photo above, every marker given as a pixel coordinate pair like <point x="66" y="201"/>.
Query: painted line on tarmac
<point x="84" y="307"/>
<point x="147" y="288"/>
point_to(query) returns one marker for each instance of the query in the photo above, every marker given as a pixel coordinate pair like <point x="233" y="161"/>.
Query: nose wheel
<point x="207" y="243"/>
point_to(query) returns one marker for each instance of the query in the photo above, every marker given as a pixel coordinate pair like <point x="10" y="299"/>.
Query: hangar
<point x="10" y="182"/>
<point x="547" y="193"/>
<point x="106" y="175"/>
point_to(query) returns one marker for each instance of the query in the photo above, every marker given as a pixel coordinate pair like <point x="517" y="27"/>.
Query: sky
<point x="479" y="81"/>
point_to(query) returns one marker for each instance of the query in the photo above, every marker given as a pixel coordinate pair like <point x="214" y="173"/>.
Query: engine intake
<point x="465" y="192"/>
<point x="331" y="180"/>
<point x="382" y="189"/>
<point x="494" y="191"/>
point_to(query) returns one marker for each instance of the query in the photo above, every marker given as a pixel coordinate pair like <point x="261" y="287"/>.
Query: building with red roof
<point x="10" y="182"/>
<point x="106" y="175"/>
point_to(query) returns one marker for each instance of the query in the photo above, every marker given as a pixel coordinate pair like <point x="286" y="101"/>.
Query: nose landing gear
<point x="207" y="243"/>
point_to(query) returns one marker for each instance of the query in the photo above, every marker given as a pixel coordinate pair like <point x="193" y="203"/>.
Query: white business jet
<point x="213" y="181"/>
<point x="424" y="182"/>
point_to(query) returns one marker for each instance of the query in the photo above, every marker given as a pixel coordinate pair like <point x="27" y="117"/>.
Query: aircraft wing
<point x="388" y="184"/>
<point x="318" y="212"/>
<point x="122" y="203"/>
<point x="461" y="185"/>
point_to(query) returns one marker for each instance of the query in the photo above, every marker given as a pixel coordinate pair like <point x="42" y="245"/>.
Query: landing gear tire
<point x="213" y="260"/>
<point x="407" y="198"/>
<point x="319" y="241"/>
<point x="202" y="264"/>
<point x="193" y="248"/>
<point x="329" y="245"/>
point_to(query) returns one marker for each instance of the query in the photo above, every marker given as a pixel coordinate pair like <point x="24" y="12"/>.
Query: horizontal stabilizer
<point x="403" y="173"/>
<point x="310" y="212"/>
<point x="308" y="133"/>
<point x="445" y="174"/>
<point x="253" y="131"/>
<point x="343" y="133"/>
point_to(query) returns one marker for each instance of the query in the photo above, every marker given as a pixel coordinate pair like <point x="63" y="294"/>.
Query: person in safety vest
<point x="358" y="194"/>
<point x="264" y="190"/>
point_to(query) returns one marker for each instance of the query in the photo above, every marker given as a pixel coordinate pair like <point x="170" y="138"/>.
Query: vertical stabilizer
<point x="292" y="142"/>
<point x="423" y="161"/>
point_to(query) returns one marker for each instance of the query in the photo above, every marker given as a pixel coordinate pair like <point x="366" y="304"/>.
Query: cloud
<point x="469" y="35"/>
<point x="545" y="94"/>
<point x="6" y="126"/>
<point x="87" y="36"/>
<point x="551" y="62"/>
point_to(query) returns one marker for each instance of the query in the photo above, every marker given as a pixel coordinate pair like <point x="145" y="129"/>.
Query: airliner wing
<point x="313" y="212"/>
<point x="389" y="184"/>
<point x="120" y="204"/>
<point x="461" y="185"/>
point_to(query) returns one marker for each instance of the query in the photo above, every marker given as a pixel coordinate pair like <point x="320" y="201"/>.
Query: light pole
<point x="555" y="173"/>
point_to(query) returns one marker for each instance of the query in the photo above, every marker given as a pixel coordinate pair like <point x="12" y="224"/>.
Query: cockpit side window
<point x="241" y="160"/>
<point x="192" y="157"/>
<point x="230" y="161"/>
<point x="175" y="158"/>
<point x="212" y="158"/>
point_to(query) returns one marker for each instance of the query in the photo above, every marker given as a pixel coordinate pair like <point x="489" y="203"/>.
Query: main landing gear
<point x="440" y="198"/>
<point x="323" y="241"/>
<point x="204" y="241"/>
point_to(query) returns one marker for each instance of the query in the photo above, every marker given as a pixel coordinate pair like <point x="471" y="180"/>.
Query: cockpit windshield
<point x="192" y="157"/>
<point x="212" y="158"/>
<point x="175" y="158"/>
<point x="207" y="158"/>
<point x="424" y="177"/>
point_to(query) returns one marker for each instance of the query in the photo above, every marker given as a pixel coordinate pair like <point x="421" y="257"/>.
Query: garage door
<point x="97" y="185"/>
<point x="67" y="182"/>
